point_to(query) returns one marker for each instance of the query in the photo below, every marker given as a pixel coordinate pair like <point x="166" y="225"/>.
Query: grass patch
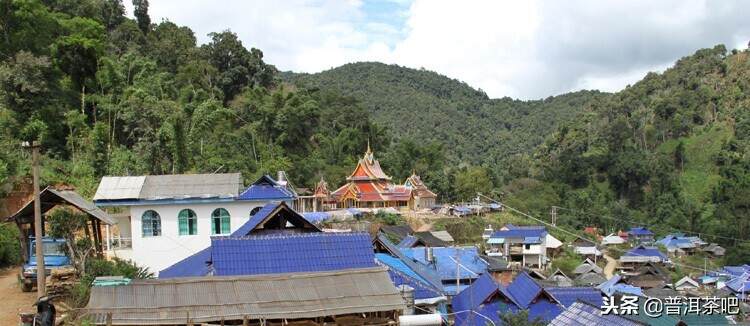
<point x="700" y="173"/>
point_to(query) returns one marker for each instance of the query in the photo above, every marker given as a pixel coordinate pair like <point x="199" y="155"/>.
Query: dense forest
<point x="110" y="95"/>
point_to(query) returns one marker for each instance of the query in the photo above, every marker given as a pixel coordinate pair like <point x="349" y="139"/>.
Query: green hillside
<point x="428" y="107"/>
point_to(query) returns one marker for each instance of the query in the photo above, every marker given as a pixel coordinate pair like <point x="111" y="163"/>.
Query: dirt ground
<point x="12" y="300"/>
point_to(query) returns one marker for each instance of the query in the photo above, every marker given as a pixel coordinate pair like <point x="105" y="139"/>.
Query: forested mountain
<point x="427" y="107"/>
<point x="670" y="151"/>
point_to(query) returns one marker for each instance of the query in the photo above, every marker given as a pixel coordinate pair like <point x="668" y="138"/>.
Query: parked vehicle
<point x="55" y="256"/>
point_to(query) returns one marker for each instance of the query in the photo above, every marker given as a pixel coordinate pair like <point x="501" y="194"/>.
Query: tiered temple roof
<point x="368" y="183"/>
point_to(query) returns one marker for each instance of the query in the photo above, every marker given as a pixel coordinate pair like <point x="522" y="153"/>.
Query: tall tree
<point x="140" y="11"/>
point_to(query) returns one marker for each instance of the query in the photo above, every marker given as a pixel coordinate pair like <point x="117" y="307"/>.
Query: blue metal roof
<point x="478" y="293"/>
<point x="484" y="299"/>
<point x="302" y="252"/>
<point x="426" y="272"/>
<point x="583" y="314"/>
<point x="400" y="274"/>
<point x="524" y="289"/>
<point x="521" y="232"/>
<point x="569" y="295"/>
<point x="265" y="213"/>
<point x="194" y="265"/>
<point x="532" y="240"/>
<point x="446" y="259"/>
<point x="646" y="252"/>
<point x="640" y="231"/>
<point x="740" y="284"/>
<point x="305" y="252"/>
<point x="408" y="242"/>
<point x="544" y="310"/>
<point x="735" y="270"/>
<point x="266" y="188"/>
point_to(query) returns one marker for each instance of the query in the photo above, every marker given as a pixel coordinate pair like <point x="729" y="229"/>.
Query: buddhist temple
<point x="369" y="187"/>
<point x="422" y="197"/>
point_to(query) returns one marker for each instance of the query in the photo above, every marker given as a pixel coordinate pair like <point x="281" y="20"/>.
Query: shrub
<point x="10" y="251"/>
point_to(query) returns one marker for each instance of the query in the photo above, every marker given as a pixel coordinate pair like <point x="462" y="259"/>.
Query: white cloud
<point x="525" y="48"/>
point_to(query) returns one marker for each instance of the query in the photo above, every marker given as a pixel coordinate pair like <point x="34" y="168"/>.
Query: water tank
<point x="421" y="320"/>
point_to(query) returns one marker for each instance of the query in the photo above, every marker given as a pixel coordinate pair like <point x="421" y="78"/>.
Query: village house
<point x="169" y="217"/>
<point x="612" y="239"/>
<point x="528" y="245"/>
<point x="369" y="187"/>
<point x="640" y="235"/>
<point x="679" y="244"/>
<point x="641" y="255"/>
<point x="587" y="249"/>
<point x="276" y="240"/>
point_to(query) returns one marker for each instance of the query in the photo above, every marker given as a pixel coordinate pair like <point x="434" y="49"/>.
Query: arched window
<point x="220" y="221"/>
<point x="151" y="224"/>
<point x="188" y="222"/>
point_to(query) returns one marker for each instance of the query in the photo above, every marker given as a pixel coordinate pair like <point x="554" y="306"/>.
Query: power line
<point x="632" y="221"/>
<point x="573" y="233"/>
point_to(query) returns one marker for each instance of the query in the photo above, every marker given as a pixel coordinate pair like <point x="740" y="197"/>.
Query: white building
<point x="527" y="245"/>
<point x="166" y="218"/>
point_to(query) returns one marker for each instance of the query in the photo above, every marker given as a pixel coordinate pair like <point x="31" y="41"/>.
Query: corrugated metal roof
<point x="194" y="265"/>
<point x="50" y="198"/>
<point x="210" y="299"/>
<point x="582" y="314"/>
<point x="443" y="235"/>
<point x="291" y="253"/>
<point x="524" y="289"/>
<point x="170" y="186"/>
<point x="119" y="188"/>
<point x="179" y="186"/>
<point x="569" y="295"/>
<point x="446" y="259"/>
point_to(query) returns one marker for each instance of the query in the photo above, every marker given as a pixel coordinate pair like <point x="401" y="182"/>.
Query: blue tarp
<point x="446" y="259"/>
<point x="316" y="217"/>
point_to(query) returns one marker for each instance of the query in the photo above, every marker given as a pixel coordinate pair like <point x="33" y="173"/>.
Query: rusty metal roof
<point x="50" y="197"/>
<point x="272" y="296"/>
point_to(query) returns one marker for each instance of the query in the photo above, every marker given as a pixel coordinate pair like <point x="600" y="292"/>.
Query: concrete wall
<point x="159" y="252"/>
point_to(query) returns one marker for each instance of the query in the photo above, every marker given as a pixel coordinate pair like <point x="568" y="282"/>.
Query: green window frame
<point x="220" y="221"/>
<point x="151" y="223"/>
<point x="188" y="222"/>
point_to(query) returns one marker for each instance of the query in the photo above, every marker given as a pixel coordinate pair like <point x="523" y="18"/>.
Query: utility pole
<point x="41" y="288"/>
<point x="554" y="215"/>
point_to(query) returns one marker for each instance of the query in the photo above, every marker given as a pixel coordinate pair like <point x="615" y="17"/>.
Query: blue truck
<point x="54" y="257"/>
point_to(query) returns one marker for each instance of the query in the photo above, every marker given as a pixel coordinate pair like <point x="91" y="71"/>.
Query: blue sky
<point x="525" y="49"/>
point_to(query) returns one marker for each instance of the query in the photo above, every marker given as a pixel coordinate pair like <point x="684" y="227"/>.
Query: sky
<point x="522" y="49"/>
